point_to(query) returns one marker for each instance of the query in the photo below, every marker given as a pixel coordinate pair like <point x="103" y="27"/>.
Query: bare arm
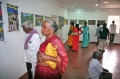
<point x="44" y="57"/>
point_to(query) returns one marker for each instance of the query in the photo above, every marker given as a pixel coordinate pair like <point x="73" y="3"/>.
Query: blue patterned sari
<point x="86" y="36"/>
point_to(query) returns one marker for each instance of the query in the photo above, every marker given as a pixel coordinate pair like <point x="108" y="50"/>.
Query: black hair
<point x="77" y="25"/>
<point x="72" y="23"/>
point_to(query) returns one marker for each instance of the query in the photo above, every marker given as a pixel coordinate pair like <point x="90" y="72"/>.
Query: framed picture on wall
<point x="100" y="22"/>
<point x="91" y="22"/>
<point x="61" y="22"/>
<point x="66" y="21"/>
<point x="27" y="17"/>
<point x="38" y="20"/>
<point x="81" y="22"/>
<point x="55" y="18"/>
<point x="47" y="17"/>
<point x="1" y="25"/>
<point x="75" y="21"/>
<point x="12" y="11"/>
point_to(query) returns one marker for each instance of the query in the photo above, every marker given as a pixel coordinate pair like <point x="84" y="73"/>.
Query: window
<point x="117" y="22"/>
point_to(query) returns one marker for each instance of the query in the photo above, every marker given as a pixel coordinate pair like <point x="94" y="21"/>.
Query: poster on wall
<point x="1" y="25"/>
<point x="38" y="20"/>
<point x="81" y="22"/>
<point x="61" y="22"/>
<point x="75" y="21"/>
<point x="55" y="18"/>
<point x="12" y="17"/>
<point x="27" y="17"/>
<point x="91" y="22"/>
<point x="100" y="22"/>
<point x="66" y="21"/>
<point x="47" y="17"/>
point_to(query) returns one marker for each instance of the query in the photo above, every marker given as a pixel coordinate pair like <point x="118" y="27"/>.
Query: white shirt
<point x="33" y="47"/>
<point x="94" y="69"/>
<point x="97" y="31"/>
<point x="112" y="29"/>
<point x="30" y="55"/>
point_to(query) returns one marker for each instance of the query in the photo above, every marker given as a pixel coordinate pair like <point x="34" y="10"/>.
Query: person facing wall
<point x="31" y="46"/>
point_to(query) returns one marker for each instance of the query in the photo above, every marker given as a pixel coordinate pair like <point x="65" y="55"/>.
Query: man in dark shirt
<point x="104" y="35"/>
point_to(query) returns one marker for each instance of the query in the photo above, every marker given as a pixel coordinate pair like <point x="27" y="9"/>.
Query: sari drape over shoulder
<point x="86" y="36"/>
<point x="75" y="40"/>
<point x="70" y="37"/>
<point x="46" y="72"/>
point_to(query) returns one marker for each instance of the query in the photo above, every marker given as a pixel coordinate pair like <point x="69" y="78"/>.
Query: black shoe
<point x="84" y="47"/>
<point x="69" y="47"/>
<point x="74" y="50"/>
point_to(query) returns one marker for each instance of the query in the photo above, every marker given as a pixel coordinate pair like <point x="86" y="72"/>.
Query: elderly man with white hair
<point x="31" y="46"/>
<point x="95" y="69"/>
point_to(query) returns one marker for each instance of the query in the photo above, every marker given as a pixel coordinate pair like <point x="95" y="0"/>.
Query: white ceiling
<point x="90" y="4"/>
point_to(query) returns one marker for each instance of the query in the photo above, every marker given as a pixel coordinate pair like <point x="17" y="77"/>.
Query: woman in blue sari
<point x="86" y="36"/>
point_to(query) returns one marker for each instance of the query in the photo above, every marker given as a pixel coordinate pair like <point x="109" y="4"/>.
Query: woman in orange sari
<point x="75" y="41"/>
<point x="43" y="70"/>
<point x="70" y="37"/>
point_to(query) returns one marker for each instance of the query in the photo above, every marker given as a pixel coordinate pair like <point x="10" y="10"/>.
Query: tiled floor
<point x="79" y="61"/>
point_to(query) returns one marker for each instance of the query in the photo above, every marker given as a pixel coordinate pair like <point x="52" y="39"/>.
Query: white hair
<point x="53" y="24"/>
<point x="27" y="24"/>
<point x="96" y="54"/>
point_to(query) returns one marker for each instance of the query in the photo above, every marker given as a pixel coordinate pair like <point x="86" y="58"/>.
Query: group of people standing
<point x="96" y="71"/>
<point x="105" y="34"/>
<point x="74" y="35"/>
<point x="35" y="48"/>
<point x="35" y="52"/>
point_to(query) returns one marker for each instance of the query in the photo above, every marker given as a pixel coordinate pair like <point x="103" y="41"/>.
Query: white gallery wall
<point x="11" y="65"/>
<point x="80" y="14"/>
<point x="11" y="50"/>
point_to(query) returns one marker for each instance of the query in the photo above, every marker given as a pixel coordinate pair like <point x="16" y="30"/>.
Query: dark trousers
<point x="105" y="74"/>
<point x="98" y="40"/>
<point x="112" y="38"/>
<point x="29" y="67"/>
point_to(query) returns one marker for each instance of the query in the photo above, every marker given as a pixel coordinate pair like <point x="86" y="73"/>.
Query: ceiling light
<point x="96" y="4"/>
<point x="106" y="2"/>
<point x="74" y="2"/>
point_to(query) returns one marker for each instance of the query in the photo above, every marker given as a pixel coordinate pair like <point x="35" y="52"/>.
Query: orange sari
<point x="70" y="37"/>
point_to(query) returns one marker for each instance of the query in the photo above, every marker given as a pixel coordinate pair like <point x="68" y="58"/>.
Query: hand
<point x="39" y="57"/>
<point x="80" y="33"/>
<point x="44" y="57"/>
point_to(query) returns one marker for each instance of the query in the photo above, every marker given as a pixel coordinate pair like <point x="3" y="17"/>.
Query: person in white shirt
<point x="97" y="33"/>
<point x="95" y="69"/>
<point x="112" y="30"/>
<point x="31" y="46"/>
